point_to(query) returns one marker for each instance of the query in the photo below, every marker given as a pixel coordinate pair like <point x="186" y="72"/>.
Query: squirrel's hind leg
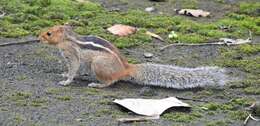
<point x="107" y="70"/>
<point x="98" y="85"/>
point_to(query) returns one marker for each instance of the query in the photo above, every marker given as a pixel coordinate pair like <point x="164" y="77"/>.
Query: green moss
<point x="102" y="112"/>
<point x="19" y="119"/>
<point x="107" y="112"/>
<point x="104" y="101"/>
<point x="249" y="8"/>
<point x="38" y="102"/>
<point x="212" y="106"/>
<point x="245" y="83"/>
<point x="190" y="4"/>
<point x="249" y="49"/>
<point x="21" y="77"/>
<point x="20" y="96"/>
<point x="21" y="103"/>
<point x="203" y="94"/>
<point x="3" y="109"/>
<point x="182" y="117"/>
<point x="217" y="123"/>
<point x="238" y="115"/>
<point x="190" y="38"/>
<point x="242" y="57"/>
<point x="56" y="91"/>
<point x="252" y="90"/>
<point x="242" y="101"/>
<point x="91" y="91"/>
<point x="64" y="98"/>
<point x="29" y="17"/>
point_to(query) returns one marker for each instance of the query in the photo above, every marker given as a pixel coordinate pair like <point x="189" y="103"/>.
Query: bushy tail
<point x="178" y="77"/>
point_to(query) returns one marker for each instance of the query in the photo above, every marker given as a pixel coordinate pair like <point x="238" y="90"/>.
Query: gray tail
<point x="178" y="77"/>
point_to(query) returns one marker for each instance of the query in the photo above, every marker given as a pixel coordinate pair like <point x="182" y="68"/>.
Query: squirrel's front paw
<point x="64" y="83"/>
<point x="94" y="85"/>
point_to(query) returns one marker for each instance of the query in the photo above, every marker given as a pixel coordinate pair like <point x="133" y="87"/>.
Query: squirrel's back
<point x="178" y="77"/>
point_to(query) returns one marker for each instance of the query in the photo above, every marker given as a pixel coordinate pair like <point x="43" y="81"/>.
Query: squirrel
<point x="108" y="66"/>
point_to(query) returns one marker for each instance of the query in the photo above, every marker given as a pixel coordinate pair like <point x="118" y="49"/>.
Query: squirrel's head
<point x="53" y="35"/>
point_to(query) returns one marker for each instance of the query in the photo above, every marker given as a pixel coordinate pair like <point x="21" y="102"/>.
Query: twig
<point x="250" y="117"/>
<point x="247" y="118"/>
<point x="2" y="14"/>
<point x="142" y="118"/>
<point x="223" y="41"/>
<point x="183" y="44"/>
<point x="19" y="43"/>
<point x="253" y="118"/>
<point x="198" y="100"/>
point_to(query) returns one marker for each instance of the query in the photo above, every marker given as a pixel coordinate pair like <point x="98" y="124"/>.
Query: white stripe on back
<point x="98" y="46"/>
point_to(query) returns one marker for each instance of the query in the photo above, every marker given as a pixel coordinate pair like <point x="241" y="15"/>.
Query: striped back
<point x="99" y="44"/>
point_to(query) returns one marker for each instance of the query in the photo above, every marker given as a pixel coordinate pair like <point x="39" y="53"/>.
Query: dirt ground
<point x="30" y="96"/>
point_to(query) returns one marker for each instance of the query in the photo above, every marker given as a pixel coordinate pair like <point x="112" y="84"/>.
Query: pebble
<point x="114" y="9"/>
<point x="148" y="55"/>
<point x="150" y="9"/>
<point x="79" y="120"/>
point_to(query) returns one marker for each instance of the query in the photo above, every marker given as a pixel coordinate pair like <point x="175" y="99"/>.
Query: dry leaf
<point x="141" y="118"/>
<point x="122" y="30"/>
<point x="154" y="35"/>
<point x="193" y="12"/>
<point x="150" y="107"/>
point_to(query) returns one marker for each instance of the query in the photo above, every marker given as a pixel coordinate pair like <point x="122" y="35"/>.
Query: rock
<point x="114" y="9"/>
<point x="148" y="55"/>
<point x="79" y="120"/>
<point x="150" y="9"/>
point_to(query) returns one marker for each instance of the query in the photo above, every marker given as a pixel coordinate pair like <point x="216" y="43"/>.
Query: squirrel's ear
<point x="67" y="27"/>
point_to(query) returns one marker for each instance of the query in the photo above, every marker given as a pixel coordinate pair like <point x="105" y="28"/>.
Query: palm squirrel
<point x="106" y="64"/>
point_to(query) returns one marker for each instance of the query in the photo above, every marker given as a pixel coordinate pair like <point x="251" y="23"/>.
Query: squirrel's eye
<point x="49" y="33"/>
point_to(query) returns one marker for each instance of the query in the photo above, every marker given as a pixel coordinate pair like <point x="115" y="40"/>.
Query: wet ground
<point x="30" y="96"/>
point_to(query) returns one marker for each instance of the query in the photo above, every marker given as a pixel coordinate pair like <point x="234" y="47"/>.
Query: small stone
<point x="148" y="55"/>
<point x="79" y="120"/>
<point x="114" y="9"/>
<point x="150" y="9"/>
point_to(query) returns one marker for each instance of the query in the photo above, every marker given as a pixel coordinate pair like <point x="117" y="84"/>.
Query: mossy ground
<point x="29" y="73"/>
<point x="25" y="17"/>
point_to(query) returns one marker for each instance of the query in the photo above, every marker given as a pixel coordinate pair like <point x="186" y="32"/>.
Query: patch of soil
<point x="29" y="94"/>
<point x="217" y="9"/>
<point x="35" y="69"/>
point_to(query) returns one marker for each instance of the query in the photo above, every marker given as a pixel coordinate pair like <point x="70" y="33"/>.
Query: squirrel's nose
<point x="41" y="37"/>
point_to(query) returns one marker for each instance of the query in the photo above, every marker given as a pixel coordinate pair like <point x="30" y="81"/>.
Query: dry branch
<point x="19" y="42"/>
<point x="2" y="14"/>
<point x="134" y="119"/>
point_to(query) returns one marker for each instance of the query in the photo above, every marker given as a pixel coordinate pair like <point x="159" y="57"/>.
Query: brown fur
<point x="57" y="35"/>
<point x="107" y="67"/>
